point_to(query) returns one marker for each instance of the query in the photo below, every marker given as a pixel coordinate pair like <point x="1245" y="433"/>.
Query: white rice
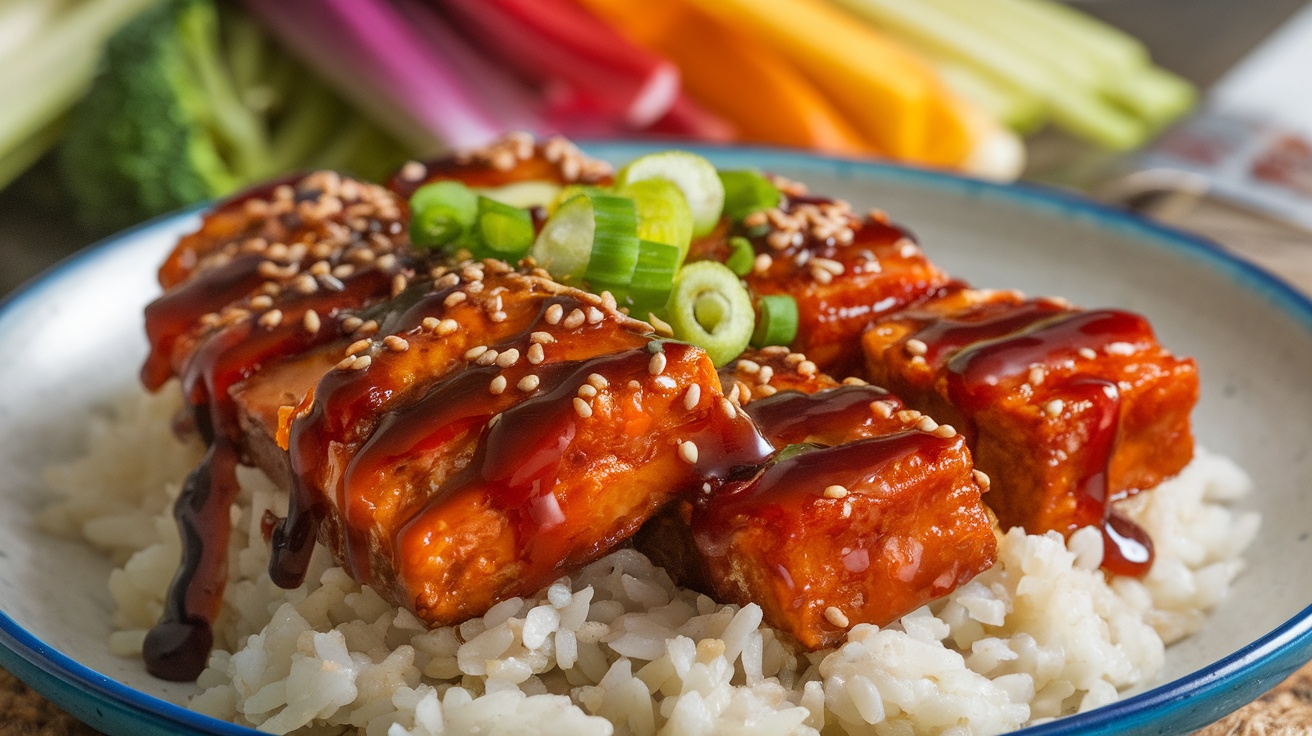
<point x="618" y="648"/>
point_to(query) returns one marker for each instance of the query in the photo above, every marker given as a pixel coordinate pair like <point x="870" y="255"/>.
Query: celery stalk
<point x="15" y="159"/>
<point x="46" y="75"/>
<point x="1017" y="110"/>
<point x="1081" y="111"/>
<point x="1154" y="94"/>
<point x="1040" y="49"/>
<point x="1080" y="33"/>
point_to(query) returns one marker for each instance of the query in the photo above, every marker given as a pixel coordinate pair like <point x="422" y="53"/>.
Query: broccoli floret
<point x="194" y="102"/>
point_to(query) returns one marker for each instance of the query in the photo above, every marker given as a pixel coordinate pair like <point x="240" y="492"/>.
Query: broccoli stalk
<point x="193" y="102"/>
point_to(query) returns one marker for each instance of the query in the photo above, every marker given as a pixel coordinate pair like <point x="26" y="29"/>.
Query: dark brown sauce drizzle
<point x="985" y="358"/>
<point x="178" y="646"/>
<point x="515" y="461"/>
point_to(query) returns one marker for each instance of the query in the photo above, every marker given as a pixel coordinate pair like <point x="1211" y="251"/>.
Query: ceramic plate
<point x="74" y="338"/>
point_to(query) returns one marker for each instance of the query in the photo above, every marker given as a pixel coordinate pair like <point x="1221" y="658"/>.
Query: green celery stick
<point x="1154" y="94"/>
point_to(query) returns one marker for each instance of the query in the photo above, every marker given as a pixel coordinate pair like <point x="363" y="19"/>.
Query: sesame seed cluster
<point x="509" y="151"/>
<point x="313" y="236"/>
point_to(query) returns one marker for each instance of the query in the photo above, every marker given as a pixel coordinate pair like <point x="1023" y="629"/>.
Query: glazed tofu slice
<point x="1066" y="409"/>
<point x="843" y="270"/>
<point x="500" y="431"/>
<point x="871" y="510"/>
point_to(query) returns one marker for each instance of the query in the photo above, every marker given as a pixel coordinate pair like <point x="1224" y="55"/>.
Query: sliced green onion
<point x="506" y="231"/>
<point x="747" y="191"/>
<point x="777" y="322"/>
<point x="565" y="243"/>
<point x="663" y="213"/>
<point x="742" y="256"/>
<point x="534" y="193"/>
<point x="694" y="175"/>
<point x="614" y="240"/>
<point x="591" y="236"/>
<point x="440" y="213"/>
<point x="711" y="309"/>
<point x="573" y="190"/>
<point x="653" y="277"/>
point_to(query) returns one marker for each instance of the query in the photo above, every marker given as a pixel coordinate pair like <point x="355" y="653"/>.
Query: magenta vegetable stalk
<point x="412" y="74"/>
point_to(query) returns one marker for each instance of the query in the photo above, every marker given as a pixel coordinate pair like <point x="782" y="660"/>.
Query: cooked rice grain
<point x="618" y="648"/>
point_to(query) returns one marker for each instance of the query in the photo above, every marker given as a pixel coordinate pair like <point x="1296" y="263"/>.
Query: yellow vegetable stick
<point x="734" y="76"/>
<point x="882" y="88"/>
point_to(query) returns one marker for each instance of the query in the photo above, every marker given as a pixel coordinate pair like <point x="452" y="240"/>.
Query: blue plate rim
<point x="1227" y="684"/>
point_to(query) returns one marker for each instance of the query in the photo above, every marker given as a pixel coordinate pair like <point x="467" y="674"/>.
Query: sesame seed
<point x="762" y="263"/>
<point x="320" y="268"/>
<point x="909" y="416"/>
<point x="447" y="327"/>
<point x="982" y="479"/>
<point x="656" y="365"/>
<point x="528" y="383"/>
<point x="665" y="382"/>
<point x="346" y="362"/>
<point x="399" y="282"/>
<point x="918" y="361"/>
<point x="359" y="346"/>
<point x="1037" y="375"/>
<point x="806" y="368"/>
<point x="821" y="276"/>
<point x="792" y="359"/>
<point x="582" y="408"/>
<point x="595" y="315"/>
<point x="385" y="262"/>
<point x="369" y="327"/>
<point x="487" y="358"/>
<point x="475" y="352"/>
<point x="608" y="299"/>
<point x="263" y="301"/>
<point x="882" y="409"/>
<point x="1087" y="353"/>
<point x="331" y="283"/>
<point x="926" y="424"/>
<point x="945" y="431"/>
<point x="756" y="219"/>
<point x="1053" y="408"/>
<point x="361" y="362"/>
<point x="574" y="320"/>
<point x="311" y="322"/>
<point x="854" y="381"/>
<point x="497" y="316"/>
<point x="765" y="375"/>
<point x="662" y="327"/>
<point x="836" y="617"/>
<point x="692" y="397"/>
<point x="598" y="381"/>
<point x="413" y="171"/>
<point x="271" y="319"/>
<point x="446" y="281"/>
<point x="828" y="264"/>
<point x="748" y="366"/>
<point x="836" y="491"/>
<point x="396" y="343"/>
<point x="727" y="407"/>
<point x="587" y="391"/>
<point x="847" y="509"/>
<point x="454" y="298"/>
<point x="542" y="337"/>
<point x="508" y="358"/>
<point x="917" y="347"/>
<point x="498" y="385"/>
<point x="688" y="452"/>
<point x="429" y="323"/>
<point x="554" y="313"/>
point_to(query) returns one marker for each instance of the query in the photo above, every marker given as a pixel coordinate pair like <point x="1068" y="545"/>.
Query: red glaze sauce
<point x="784" y="481"/>
<point x="986" y="358"/>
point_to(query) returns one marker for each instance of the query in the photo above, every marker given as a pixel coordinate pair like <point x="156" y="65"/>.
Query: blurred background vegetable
<point x="196" y="98"/>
